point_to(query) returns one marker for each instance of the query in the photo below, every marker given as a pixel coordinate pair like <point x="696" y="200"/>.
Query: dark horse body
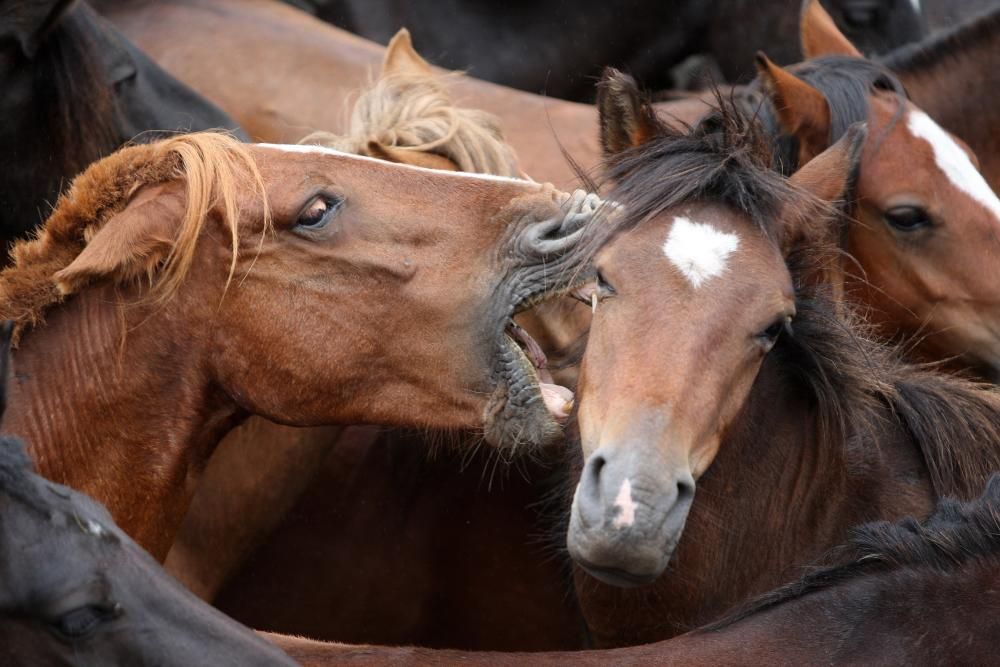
<point x="907" y="594"/>
<point x="570" y="42"/>
<point x="75" y="89"/>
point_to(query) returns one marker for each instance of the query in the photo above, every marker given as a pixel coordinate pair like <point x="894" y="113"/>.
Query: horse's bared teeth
<point x="531" y="348"/>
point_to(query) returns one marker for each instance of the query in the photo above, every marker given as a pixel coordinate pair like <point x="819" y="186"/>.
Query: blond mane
<point x="216" y="171"/>
<point x="415" y="112"/>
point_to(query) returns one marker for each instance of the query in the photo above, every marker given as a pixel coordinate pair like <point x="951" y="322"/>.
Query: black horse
<point x="559" y="47"/>
<point x="74" y="90"/>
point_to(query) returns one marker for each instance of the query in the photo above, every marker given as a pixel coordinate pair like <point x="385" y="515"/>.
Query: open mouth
<point x="558" y="400"/>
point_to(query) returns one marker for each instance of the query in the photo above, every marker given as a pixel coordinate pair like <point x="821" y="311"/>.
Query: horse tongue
<point x="558" y="399"/>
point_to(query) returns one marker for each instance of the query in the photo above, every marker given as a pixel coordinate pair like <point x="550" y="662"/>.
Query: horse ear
<point x="820" y="35"/>
<point x="402" y="59"/>
<point x="381" y="151"/>
<point x="831" y="175"/>
<point x="803" y="111"/>
<point x="627" y="119"/>
<point x="132" y="243"/>
<point x="29" y="22"/>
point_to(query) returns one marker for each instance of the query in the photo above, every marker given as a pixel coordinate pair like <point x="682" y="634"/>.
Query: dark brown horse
<point x="75" y="90"/>
<point x="720" y="356"/>
<point x="907" y="593"/>
<point x="202" y="234"/>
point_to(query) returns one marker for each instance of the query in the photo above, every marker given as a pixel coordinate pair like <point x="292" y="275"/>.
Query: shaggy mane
<point x="213" y="167"/>
<point x="955" y="534"/>
<point x="946" y="47"/>
<point x="416" y="113"/>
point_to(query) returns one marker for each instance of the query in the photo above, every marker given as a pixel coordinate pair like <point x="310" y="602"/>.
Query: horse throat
<point x="128" y="420"/>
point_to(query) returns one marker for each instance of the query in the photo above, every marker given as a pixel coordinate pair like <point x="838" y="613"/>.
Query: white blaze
<point x="625" y="505"/>
<point x="953" y="161"/>
<point x="698" y="250"/>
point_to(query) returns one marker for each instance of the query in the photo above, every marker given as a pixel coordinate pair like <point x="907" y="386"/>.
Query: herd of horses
<point x="705" y="377"/>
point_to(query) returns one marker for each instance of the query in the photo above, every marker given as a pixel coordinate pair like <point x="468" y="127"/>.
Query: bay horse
<point x="906" y="593"/>
<point x="256" y="593"/>
<point x="721" y="357"/>
<point x="173" y="270"/>
<point x="570" y="46"/>
<point x="924" y="249"/>
<point x="952" y="77"/>
<point x="75" y="90"/>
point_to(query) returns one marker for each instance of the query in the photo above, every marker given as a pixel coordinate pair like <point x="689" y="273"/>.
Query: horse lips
<point x="558" y="399"/>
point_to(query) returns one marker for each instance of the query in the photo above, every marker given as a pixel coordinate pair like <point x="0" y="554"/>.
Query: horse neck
<point x="778" y="496"/>
<point x="124" y="419"/>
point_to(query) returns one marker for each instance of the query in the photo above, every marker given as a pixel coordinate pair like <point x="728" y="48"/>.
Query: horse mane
<point x="211" y="165"/>
<point x="845" y="81"/>
<point x="978" y="31"/>
<point x="415" y="112"/>
<point x="723" y="159"/>
<point x="955" y="534"/>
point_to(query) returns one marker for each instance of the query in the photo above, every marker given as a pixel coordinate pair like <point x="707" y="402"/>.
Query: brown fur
<point x="43" y="273"/>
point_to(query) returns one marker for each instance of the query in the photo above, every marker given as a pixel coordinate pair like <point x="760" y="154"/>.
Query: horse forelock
<point x="214" y="168"/>
<point x="416" y="112"/>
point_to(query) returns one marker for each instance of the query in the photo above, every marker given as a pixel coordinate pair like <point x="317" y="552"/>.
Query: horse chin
<point x="517" y="413"/>
<point x="613" y="576"/>
<point x="617" y="564"/>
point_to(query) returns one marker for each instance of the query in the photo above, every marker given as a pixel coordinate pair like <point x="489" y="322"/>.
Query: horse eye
<point x="84" y="621"/>
<point x="603" y="285"/>
<point x="770" y="335"/>
<point x="319" y="212"/>
<point x="907" y="218"/>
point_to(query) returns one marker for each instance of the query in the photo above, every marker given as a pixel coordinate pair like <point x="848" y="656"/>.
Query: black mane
<point x="845" y="82"/>
<point x="955" y="534"/>
<point x="977" y="31"/>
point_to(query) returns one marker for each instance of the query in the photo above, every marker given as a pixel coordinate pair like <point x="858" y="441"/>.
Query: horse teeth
<point x="593" y="302"/>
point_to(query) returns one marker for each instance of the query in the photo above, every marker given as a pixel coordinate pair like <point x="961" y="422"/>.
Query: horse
<point x="77" y="590"/>
<point x="255" y="594"/>
<point x="905" y="593"/>
<point x="75" y="90"/>
<point x="939" y="275"/>
<point x="958" y="64"/>
<point x="202" y="234"/>
<point x="571" y="46"/>
<point x="257" y="472"/>
<point x="723" y="359"/>
<point x="924" y="246"/>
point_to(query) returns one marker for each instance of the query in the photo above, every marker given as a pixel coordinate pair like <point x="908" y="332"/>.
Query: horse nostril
<point x="592" y="481"/>
<point x="685" y="491"/>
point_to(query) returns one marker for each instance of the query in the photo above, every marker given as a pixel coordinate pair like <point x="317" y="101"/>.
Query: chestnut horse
<point x="75" y="90"/>
<point x="151" y="267"/>
<point x="76" y="590"/>
<point x="905" y="594"/>
<point x="260" y="469"/>
<point x="720" y="357"/>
